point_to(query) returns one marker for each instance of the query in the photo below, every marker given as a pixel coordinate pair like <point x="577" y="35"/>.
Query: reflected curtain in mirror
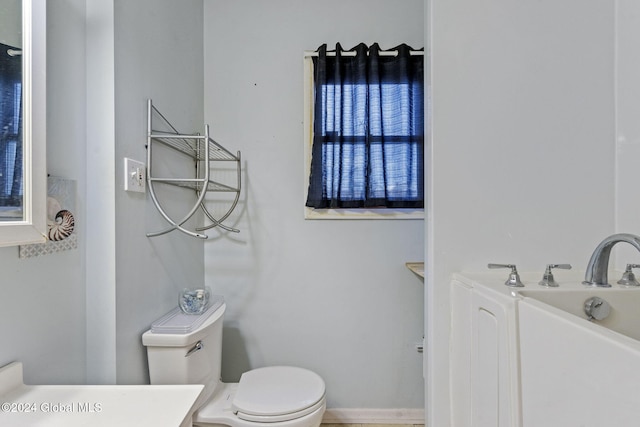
<point x="10" y="133"/>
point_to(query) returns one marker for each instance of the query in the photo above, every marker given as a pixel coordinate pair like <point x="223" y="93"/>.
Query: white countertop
<point x="93" y="405"/>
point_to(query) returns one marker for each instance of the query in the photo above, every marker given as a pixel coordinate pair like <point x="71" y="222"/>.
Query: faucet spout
<point x="597" y="269"/>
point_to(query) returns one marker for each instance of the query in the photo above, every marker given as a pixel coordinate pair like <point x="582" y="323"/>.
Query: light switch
<point x="134" y="176"/>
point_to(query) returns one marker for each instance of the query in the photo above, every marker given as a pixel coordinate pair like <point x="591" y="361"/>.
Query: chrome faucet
<point x="597" y="269"/>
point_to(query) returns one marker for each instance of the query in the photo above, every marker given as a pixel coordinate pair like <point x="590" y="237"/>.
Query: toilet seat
<point x="278" y="393"/>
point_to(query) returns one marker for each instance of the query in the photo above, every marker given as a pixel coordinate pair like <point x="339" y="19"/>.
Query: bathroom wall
<point x="106" y="58"/>
<point x="100" y="166"/>
<point x="42" y="307"/>
<point x="11" y="23"/>
<point x="330" y="295"/>
<point x="522" y="159"/>
<point x="98" y="84"/>
<point x="627" y="125"/>
<point x="136" y="51"/>
<point x="527" y="166"/>
<point x="158" y="56"/>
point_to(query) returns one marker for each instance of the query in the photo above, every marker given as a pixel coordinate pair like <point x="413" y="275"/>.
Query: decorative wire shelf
<point x="203" y="150"/>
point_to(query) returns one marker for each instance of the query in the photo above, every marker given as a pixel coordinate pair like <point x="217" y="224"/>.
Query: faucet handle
<point x="628" y="278"/>
<point x="561" y="266"/>
<point x="547" y="279"/>
<point x="514" y="277"/>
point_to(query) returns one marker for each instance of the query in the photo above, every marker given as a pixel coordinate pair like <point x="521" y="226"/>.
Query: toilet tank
<point x="188" y="358"/>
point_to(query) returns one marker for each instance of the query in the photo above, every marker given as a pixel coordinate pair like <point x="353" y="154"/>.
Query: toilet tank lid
<point x="177" y="322"/>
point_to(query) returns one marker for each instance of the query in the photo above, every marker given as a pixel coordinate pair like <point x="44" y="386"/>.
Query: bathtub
<point x="529" y="357"/>
<point x="576" y="372"/>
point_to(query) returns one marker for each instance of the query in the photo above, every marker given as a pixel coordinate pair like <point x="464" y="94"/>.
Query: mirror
<point x="22" y="121"/>
<point x="11" y="194"/>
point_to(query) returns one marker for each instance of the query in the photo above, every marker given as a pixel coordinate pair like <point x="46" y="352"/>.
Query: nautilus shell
<point x="62" y="227"/>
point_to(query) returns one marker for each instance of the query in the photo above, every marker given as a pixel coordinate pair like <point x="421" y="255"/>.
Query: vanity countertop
<point x="94" y="405"/>
<point x="416" y="267"/>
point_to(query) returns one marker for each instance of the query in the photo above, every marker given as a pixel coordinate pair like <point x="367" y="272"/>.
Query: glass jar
<point x="194" y="300"/>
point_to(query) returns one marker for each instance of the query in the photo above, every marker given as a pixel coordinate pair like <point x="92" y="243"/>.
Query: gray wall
<point x="158" y="55"/>
<point x="627" y="61"/>
<point x="136" y="50"/>
<point x="97" y="90"/>
<point x="486" y="62"/>
<point x="105" y="59"/>
<point x="333" y="296"/>
<point x="11" y="23"/>
<point x="522" y="152"/>
<point x="42" y="308"/>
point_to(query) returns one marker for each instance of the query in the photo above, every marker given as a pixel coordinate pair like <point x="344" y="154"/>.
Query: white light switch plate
<point x="134" y="176"/>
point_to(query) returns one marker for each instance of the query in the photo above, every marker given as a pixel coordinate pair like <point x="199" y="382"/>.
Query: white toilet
<point x="280" y="396"/>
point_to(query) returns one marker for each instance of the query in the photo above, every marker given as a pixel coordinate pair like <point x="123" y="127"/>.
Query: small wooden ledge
<point x="416" y="267"/>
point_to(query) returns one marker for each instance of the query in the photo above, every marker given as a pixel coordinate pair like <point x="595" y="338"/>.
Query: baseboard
<point x="373" y="416"/>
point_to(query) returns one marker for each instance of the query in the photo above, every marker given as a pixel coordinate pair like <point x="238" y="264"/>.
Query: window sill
<point x="310" y="213"/>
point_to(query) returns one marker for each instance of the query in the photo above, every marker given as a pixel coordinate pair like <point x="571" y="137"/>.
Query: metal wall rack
<point x="203" y="150"/>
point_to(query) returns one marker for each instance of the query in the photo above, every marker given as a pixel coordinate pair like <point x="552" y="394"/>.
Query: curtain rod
<point x="310" y="53"/>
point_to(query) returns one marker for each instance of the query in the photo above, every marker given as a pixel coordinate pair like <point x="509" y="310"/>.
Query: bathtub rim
<point x="610" y="335"/>
<point x="570" y="282"/>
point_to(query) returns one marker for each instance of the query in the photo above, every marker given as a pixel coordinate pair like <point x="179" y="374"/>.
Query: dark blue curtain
<point x="368" y="138"/>
<point x="10" y="127"/>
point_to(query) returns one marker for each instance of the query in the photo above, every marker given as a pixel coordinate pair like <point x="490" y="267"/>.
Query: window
<point x="10" y="132"/>
<point x="367" y="139"/>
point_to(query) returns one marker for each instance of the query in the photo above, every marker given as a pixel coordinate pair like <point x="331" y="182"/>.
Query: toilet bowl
<point x="187" y="349"/>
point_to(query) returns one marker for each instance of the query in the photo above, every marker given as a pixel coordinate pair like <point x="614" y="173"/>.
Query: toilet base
<point x="217" y="412"/>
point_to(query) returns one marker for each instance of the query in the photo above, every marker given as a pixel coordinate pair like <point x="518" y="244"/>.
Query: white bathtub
<point x="528" y="357"/>
<point x="576" y="372"/>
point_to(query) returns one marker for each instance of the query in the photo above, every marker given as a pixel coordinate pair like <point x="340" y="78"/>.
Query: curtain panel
<point x="368" y="137"/>
<point x="10" y="127"/>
